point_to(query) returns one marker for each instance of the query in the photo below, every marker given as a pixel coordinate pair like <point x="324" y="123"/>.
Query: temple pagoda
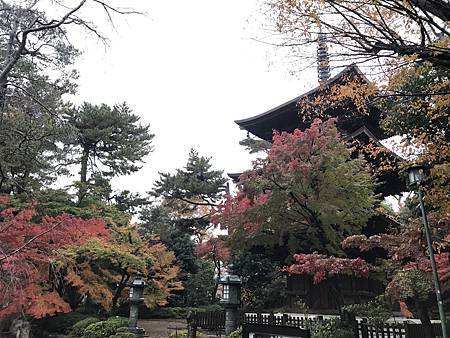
<point x="362" y="132"/>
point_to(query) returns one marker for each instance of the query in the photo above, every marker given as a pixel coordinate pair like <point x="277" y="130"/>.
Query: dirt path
<point x="160" y="328"/>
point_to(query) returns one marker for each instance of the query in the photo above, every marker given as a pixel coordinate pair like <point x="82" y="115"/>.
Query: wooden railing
<point x="6" y="335"/>
<point x="388" y="330"/>
<point x="215" y="321"/>
<point x="279" y="319"/>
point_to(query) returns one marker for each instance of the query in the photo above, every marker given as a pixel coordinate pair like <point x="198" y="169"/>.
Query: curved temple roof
<point x="285" y="117"/>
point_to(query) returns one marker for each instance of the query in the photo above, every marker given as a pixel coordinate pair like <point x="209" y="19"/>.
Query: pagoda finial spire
<point x="323" y="59"/>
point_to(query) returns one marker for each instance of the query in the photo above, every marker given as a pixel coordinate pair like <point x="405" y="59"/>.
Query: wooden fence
<point x="388" y="330"/>
<point x="274" y="330"/>
<point x="215" y="321"/>
<point x="6" y="335"/>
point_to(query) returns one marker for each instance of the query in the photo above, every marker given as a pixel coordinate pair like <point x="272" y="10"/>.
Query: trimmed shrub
<point x="79" y="327"/>
<point x="236" y="334"/>
<point x="330" y="329"/>
<point x="179" y="312"/>
<point x="123" y="335"/>
<point x="183" y="334"/>
<point x="105" y="328"/>
<point x="60" y="323"/>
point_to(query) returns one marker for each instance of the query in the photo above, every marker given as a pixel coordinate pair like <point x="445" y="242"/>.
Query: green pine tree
<point x="108" y="141"/>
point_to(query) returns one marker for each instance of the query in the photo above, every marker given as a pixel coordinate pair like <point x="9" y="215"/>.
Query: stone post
<point x="231" y="319"/>
<point x="191" y="325"/>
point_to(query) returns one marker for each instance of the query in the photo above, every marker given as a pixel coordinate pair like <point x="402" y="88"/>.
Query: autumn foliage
<point x="308" y="194"/>
<point x="29" y="244"/>
<point x="53" y="264"/>
<point x="322" y="267"/>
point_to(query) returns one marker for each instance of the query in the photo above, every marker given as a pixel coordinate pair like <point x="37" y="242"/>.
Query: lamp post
<point x="415" y="175"/>
<point x="231" y="299"/>
<point x="136" y="298"/>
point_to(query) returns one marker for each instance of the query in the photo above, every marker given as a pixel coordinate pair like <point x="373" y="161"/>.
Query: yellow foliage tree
<point x="99" y="271"/>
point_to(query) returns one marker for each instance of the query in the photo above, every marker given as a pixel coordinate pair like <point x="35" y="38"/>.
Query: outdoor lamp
<point x="231" y="290"/>
<point x="231" y="299"/>
<point x="136" y="298"/>
<point x="137" y="290"/>
<point x="415" y="175"/>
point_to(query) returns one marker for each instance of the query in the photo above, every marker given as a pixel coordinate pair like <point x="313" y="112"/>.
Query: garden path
<point x="160" y="328"/>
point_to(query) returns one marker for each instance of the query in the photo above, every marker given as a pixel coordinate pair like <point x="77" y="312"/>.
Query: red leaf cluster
<point x="322" y="267"/>
<point x="28" y="245"/>
<point x="213" y="247"/>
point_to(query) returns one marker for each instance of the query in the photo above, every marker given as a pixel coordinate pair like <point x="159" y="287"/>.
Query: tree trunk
<point x="83" y="173"/>
<point x="216" y="285"/>
<point x="422" y="310"/>
<point x="122" y="285"/>
<point x="5" y="72"/>
<point x="84" y="164"/>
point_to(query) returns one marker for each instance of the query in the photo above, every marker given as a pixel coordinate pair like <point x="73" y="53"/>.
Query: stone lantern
<point x="231" y="299"/>
<point x="136" y="298"/>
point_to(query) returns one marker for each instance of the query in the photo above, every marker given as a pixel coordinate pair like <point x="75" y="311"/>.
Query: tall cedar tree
<point x="191" y="192"/>
<point x="108" y="141"/>
<point x="189" y="195"/>
<point x="157" y="220"/>
<point x="161" y="220"/>
<point x="307" y="195"/>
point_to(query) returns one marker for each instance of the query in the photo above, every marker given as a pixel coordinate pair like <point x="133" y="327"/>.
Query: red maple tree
<point x="29" y="244"/>
<point x="322" y="267"/>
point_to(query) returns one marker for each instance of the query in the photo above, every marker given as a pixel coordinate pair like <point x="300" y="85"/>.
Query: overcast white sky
<point x="189" y="68"/>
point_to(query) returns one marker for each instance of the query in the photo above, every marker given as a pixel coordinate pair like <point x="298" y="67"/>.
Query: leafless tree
<point x="364" y="30"/>
<point x="29" y="33"/>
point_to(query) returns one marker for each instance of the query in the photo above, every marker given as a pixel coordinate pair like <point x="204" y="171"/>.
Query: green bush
<point x="123" y="335"/>
<point x="123" y="329"/>
<point x="61" y="323"/>
<point x="210" y="308"/>
<point x="79" y="327"/>
<point x="344" y="333"/>
<point x="330" y="329"/>
<point x="180" y="312"/>
<point x="105" y="328"/>
<point x="236" y="334"/>
<point x="183" y="334"/>
<point x="377" y="311"/>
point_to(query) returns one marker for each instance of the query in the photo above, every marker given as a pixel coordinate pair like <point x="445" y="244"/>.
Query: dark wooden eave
<point x="352" y="125"/>
<point x="285" y="117"/>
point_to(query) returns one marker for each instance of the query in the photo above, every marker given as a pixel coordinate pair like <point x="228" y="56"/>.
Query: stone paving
<point x="160" y="328"/>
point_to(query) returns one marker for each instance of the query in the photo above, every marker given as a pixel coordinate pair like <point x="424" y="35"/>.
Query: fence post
<point x="259" y="318"/>
<point x="245" y="333"/>
<point x="284" y="319"/>
<point x="192" y="324"/>
<point x="364" y="328"/>
<point x="271" y="319"/>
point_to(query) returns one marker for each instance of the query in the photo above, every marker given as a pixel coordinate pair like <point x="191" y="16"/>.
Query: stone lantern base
<point x="231" y="319"/>
<point x="139" y="332"/>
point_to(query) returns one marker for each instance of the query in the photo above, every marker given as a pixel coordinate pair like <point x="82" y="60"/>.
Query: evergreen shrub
<point x="78" y="328"/>
<point x="105" y="328"/>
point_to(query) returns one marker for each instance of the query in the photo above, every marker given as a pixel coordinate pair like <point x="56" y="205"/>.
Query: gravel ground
<point x="160" y="328"/>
